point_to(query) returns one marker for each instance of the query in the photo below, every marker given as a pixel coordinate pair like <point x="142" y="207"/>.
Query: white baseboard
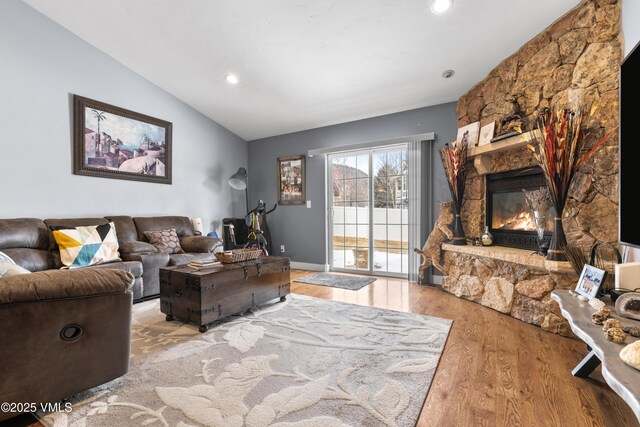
<point x="437" y="280"/>
<point x="309" y="266"/>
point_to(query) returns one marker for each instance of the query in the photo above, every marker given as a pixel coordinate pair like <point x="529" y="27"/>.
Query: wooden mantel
<point x="482" y="155"/>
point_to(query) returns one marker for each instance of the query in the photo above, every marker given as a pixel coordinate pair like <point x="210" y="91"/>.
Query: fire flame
<point x="522" y="221"/>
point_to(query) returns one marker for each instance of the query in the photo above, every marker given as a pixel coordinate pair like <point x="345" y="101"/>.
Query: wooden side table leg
<point x="203" y="328"/>
<point x="586" y="365"/>
<point x="169" y="318"/>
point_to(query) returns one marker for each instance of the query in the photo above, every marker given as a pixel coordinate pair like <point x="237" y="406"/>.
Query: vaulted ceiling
<point x="305" y="63"/>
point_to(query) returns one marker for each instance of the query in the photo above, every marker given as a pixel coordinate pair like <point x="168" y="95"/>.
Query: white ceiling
<point x="305" y="63"/>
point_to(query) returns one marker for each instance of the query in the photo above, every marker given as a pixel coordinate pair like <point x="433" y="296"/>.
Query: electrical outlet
<point x="308" y="204"/>
<point x="281" y="249"/>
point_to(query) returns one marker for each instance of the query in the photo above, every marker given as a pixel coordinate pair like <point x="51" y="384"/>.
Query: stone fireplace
<point x="575" y="60"/>
<point x="509" y="218"/>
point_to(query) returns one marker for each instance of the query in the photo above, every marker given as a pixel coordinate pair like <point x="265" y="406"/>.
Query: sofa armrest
<point x="137" y="247"/>
<point x="61" y="284"/>
<point x="200" y="244"/>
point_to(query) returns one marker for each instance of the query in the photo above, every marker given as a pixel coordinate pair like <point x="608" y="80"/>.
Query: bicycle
<point x="257" y="236"/>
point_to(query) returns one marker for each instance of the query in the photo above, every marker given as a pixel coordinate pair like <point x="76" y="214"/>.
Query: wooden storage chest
<point x="204" y="295"/>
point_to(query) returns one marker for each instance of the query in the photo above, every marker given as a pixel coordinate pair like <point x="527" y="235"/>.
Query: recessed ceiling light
<point x="441" y="6"/>
<point x="231" y="79"/>
<point x="447" y="74"/>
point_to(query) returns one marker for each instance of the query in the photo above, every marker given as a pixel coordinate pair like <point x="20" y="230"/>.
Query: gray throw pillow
<point x="10" y="269"/>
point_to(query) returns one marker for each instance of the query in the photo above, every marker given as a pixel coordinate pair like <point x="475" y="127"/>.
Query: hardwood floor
<point x="495" y="370"/>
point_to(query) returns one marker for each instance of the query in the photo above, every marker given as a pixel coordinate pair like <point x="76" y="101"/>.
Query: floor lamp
<point x="239" y="181"/>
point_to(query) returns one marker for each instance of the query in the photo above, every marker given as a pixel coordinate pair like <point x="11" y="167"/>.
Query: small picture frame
<point x="486" y="134"/>
<point x="590" y="281"/>
<point x="471" y="132"/>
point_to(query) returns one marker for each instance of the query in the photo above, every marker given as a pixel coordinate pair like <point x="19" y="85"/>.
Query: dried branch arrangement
<point x="557" y="149"/>
<point x="454" y="157"/>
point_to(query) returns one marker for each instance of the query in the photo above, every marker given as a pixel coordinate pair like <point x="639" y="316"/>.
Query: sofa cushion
<point x="56" y="284"/>
<point x="181" y="224"/>
<point x="33" y="259"/>
<point x="23" y="233"/>
<point x="11" y="269"/>
<point x="137" y="247"/>
<point x="165" y="241"/>
<point x="58" y="223"/>
<point x="133" y="267"/>
<point x="85" y="246"/>
<point x="125" y="228"/>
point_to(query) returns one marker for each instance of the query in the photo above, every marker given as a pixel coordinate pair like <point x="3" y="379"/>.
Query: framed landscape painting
<point x="291" y="180"/>
<point x="112" y="142"/>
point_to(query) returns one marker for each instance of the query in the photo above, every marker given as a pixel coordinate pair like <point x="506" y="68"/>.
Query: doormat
<point x="342" y="281"/>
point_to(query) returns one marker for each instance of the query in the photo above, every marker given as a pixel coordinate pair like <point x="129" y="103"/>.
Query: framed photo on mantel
<point x="291" y="180"/>
<point x="111" y="142"/>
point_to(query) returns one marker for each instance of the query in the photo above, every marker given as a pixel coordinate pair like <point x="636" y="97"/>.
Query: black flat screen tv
<point x="629" y="151"/>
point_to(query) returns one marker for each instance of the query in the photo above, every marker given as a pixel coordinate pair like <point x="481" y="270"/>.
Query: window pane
<point x="395" y="262"/>
<point x="363" y="165"/>
<point x="379" y="164"/>
<point x="363" y="213"/>
<point x="379" y="259"/>
<point x="394" y="237"/>
<point x="338" y="213"/>
<point x="349" y="190"/>
<point x="337" y="169"/>
<point x="405" y="236"/>
<point x="362" y="258"/>
<point x="363" y="236"/>
<point x="350" y="257"/>
<point x="338" y="257"/>
<point x="363" y="189"/>
<point x="379" y="215"/>
<point x="380" y="236"/>
<point x="394" y="163"/>
<point x="350" y="234"/>
<point x="337" y="192"/>
<point x="338" y="235"/>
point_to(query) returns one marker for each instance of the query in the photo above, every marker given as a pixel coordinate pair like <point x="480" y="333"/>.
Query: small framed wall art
<point x="590" y="281"/>
<point x="291" y="180"/>
<point x="486" y="133"/>
<point x="471" y="133"/>
<point x="111" y="142"/>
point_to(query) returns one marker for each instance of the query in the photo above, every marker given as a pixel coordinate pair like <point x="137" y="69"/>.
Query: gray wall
<point x="42" y="65"/>
<point x="302" y="230"/>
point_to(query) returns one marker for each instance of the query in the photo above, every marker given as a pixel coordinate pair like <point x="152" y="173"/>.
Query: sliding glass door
<point x="368" y="205"/>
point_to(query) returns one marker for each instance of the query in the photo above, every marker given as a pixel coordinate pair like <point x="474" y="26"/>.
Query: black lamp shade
<point x="239" y="179"/>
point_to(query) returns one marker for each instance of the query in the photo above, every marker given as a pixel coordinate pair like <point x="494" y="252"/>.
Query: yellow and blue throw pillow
<point x="85" y="246"/>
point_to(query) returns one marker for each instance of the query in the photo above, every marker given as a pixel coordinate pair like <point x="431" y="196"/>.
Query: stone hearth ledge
<point x="524" y="257"/>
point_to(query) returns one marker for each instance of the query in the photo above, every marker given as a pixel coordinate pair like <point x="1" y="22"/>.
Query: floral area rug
<point x="305" y="362"/>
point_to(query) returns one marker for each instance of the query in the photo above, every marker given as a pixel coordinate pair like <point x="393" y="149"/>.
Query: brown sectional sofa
<point x="62" y="331"/>
<point x="30" y="243"/>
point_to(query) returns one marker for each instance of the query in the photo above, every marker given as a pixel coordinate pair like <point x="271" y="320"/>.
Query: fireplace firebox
<point x="509" y="218"/>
